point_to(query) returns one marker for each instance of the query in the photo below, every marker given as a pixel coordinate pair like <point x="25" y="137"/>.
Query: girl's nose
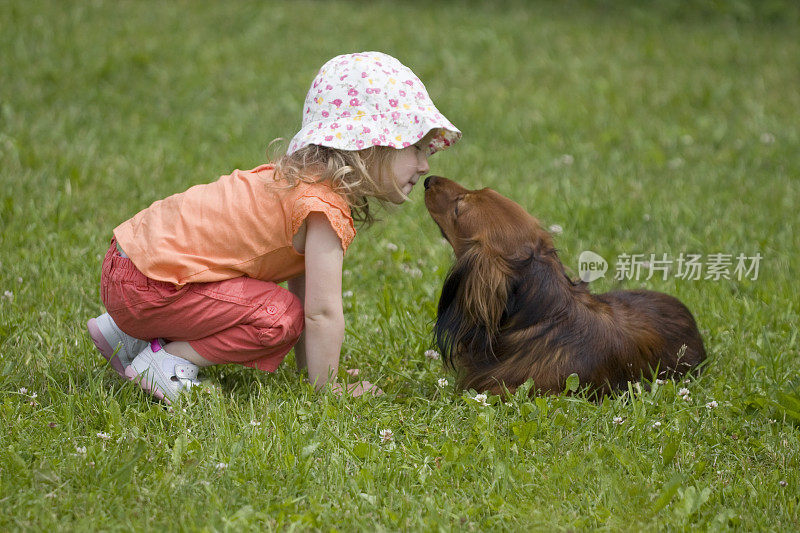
<point x="423" y="166"/>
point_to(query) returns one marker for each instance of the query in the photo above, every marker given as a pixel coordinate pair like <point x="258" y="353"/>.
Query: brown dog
<point x="508" y="312"/>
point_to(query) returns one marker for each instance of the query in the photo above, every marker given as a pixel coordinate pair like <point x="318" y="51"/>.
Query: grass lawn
<point x="671" y="129"/>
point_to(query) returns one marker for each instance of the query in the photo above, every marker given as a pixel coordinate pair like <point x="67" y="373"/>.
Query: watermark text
<point x="686" y="266"/>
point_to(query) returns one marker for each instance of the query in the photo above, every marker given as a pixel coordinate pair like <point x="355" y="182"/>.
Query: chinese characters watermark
<point x="686" y="266"/>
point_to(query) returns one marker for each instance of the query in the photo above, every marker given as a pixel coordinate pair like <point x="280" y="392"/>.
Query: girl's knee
<point x="295" y="317"/>
<point x="286" y="320"/>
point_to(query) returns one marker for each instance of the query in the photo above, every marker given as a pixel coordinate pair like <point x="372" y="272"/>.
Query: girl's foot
<point x="162" y="374"/>
<point x="117" y="347"/>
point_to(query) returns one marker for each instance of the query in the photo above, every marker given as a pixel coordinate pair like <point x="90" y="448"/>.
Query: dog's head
<point x="483" y="221"/>
<point x="504" y="258"/>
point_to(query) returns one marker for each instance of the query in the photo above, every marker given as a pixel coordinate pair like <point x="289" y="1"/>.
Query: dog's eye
<point x="458" y="204"/>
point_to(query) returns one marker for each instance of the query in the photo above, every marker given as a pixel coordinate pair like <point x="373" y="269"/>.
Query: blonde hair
<point x="358" y="175"/>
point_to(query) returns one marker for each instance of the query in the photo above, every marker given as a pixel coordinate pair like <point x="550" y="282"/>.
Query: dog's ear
<point x="449" y="330"/>
<point x="471" y="307"/>
<point x="450" y="289"/>
<point x="484" y="288"/>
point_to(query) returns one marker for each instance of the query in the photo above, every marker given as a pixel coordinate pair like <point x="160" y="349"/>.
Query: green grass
<point x="683" y="128"/>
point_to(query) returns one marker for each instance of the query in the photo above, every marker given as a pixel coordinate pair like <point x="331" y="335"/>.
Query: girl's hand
<point x="356" y="389"/>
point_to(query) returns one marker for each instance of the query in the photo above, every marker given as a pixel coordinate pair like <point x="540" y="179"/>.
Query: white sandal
<point x="117" y="347"/>
<point x="162" y="374"/>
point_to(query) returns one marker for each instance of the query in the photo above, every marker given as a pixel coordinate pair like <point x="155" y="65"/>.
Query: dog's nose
<point x="430" y="180"/>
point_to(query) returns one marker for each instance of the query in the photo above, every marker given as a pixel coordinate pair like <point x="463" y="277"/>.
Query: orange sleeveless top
<point x="240" y="225"/>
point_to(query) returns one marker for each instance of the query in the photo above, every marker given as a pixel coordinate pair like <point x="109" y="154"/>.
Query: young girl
<point x="192" y="280"/>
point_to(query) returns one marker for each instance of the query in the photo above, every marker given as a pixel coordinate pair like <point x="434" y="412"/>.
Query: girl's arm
<point x="320" y="290"/>
<point x="322" y="302"/>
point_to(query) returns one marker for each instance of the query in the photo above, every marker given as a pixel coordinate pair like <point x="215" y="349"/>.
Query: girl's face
<point x="407" y="167"/>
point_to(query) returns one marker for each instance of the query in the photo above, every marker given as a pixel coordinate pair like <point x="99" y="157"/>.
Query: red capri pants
<point x="241" y="320"/>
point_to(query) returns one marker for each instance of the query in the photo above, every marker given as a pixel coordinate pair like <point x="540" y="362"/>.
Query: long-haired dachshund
<point x="508" y="312"/>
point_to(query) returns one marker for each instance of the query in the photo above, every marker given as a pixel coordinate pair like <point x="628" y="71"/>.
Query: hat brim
<point x="360" y="132"/>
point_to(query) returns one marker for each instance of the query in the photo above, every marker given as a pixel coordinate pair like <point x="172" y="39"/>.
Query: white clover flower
<point x="431" y="354"/>
<point x="34" y="395"/>
<point x="414" y="272"/>
<point x="676" y="162"/>
<point x="712" y="404"/>
<point x="386" y="435"/>
<point x="221" y="466"/>
<point x="255" y="423"/>
<point x="618" y="421"/>
<point x="656" y="425"/>
<point x="80" y="449"/>
<point x="347" y="294"/>
<point x="661" y="382"/>
<point x="683" y="392"/>
<point x="104" y="436"/>
<point x="19" y="280"/>
<point x="555" y="229"/>
<point x="566" y="160"/>
<point x="392" y="247"/>
<point x="23" y="390"/>
<point x="443" y="382"/>
<point x="481" y="399"/>
<point x="8" y="295"/>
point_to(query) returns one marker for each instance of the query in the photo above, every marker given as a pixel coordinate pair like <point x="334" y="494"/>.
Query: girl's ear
<point x="380" y="169"/>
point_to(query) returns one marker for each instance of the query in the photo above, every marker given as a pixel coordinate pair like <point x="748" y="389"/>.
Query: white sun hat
<point x="370" y="99"/>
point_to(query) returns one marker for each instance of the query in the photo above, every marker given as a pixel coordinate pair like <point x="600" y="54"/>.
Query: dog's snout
<point x="430" y="180"/>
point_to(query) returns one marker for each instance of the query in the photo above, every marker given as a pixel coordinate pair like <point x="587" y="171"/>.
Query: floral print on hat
<point x="370" y="99"/>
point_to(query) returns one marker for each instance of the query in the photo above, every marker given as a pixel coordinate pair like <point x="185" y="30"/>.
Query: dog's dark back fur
<point x="508" y="312"/>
